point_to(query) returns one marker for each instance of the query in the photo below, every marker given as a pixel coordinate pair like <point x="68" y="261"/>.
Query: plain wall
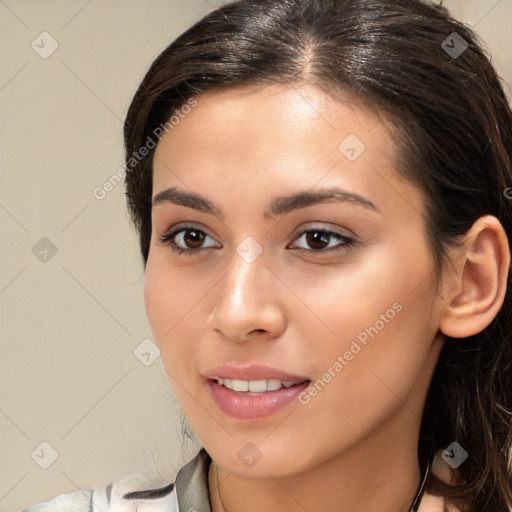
<point x="71" y="321"/>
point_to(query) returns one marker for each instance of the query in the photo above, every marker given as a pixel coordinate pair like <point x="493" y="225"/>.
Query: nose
<point x="249" y="303"/>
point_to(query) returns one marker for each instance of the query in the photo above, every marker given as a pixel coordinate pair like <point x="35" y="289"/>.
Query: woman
<point x="321" y="190"/>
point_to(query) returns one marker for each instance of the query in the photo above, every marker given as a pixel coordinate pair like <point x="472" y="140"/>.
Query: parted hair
<point x="431" y="78"/>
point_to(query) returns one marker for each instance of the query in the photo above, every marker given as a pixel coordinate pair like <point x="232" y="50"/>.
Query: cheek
<point x="342" y="302"/>
<point x="372" y="370"/>
<point x="158" y="300"/>
<point x="172" y="298"/>
<point x="378" y="317"/>
<point x="170" y="293"/>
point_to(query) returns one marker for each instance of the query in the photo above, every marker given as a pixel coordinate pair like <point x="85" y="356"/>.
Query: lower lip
<point x="253" y="407"/>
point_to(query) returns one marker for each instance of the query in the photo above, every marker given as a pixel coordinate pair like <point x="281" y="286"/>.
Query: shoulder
<point x="141" y="492"/>
<point x="136" y="493"/>
<point x="127" y="494"/>
<point x="434" y="503"/>
<point x="78" y="501"/>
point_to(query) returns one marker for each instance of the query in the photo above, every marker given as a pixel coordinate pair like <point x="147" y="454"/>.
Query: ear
<point x="473" y="290"/>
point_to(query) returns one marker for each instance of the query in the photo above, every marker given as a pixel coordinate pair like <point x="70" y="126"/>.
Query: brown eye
<point x="320" y="241"/>
<point x="186" y="239"/>
<point x="193" y="238"/>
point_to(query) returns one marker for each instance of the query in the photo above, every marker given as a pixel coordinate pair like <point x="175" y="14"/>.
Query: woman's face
<point x="304" y="253"/>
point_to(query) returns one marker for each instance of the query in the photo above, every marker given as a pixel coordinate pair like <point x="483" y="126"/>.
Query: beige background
<point x="70" y="325"/>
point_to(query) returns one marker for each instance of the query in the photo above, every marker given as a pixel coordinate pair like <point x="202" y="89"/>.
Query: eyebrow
<point x="280" y="205"/>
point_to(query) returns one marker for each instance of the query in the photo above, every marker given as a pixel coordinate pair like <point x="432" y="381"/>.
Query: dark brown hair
<point x="428" y="75"/>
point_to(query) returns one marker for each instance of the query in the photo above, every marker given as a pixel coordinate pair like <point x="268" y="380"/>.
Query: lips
<point x="247" y="405"/>
<point x="252" y="372"/>
<point x="253" y="407"/>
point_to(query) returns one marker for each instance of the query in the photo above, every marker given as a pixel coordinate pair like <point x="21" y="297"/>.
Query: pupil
<point x="313" y="239"/>
<point x="195" y="240"/>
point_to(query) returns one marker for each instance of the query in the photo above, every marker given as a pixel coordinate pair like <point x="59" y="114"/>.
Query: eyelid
<point x="338" y="230"/>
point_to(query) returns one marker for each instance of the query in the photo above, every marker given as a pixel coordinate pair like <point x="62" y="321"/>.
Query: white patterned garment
<point x="79" y="501"/>
<point x="189" y="492"/>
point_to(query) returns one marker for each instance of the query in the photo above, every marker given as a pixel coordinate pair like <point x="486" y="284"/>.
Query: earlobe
<point x="474" y="291"/>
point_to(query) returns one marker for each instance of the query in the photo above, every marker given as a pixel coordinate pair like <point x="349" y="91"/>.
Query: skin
<point x="353" y="446"/>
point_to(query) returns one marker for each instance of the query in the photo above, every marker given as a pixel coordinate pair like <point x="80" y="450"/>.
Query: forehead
<point x="253" y="140"/>
<point x="275" y="116"/>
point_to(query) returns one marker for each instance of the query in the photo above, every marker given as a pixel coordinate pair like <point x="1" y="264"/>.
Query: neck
<point x="372" y="475"/>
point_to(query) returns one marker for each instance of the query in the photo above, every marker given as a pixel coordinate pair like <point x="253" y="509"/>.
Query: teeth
<point x="256" y="386"/>
<point x="240" y="385"/>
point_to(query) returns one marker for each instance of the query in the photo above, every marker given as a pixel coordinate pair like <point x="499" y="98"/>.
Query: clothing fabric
<point x="188" y="493"/>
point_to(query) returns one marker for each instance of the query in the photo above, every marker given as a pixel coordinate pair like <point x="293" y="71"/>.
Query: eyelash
<point x="167" y="239"/>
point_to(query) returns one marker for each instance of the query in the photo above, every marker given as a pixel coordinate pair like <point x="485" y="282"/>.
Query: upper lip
<point x="251" y="372"/>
